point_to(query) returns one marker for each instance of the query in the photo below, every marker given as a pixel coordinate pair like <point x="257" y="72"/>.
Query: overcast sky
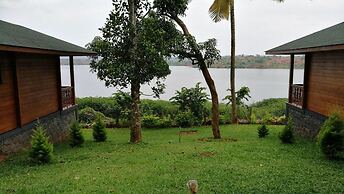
<point x="261" y="24"/>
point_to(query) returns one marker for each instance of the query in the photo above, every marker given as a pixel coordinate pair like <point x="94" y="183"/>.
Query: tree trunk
<point x="135" y="130"/>
<point x="135" y="134"/>
<point x="232" y="74"/>
<point x="215" y="120"/>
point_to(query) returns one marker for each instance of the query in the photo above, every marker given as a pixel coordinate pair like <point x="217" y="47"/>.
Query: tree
<point x="132" y="52"/>
<point x="201" y="54"/>
<point x="224" y="9"/>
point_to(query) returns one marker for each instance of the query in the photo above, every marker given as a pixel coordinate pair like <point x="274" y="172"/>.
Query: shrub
<point x="185" y="119"/>
<point x="194" y="100"/>
<point x="101" y="104"/>
<point x="287" y="136"/>
<point x="263" y="131"/>
<point x="41" y="150"/>
<point x="89" y="115"/>
<point x="274" y="107"/>
<point x="75" y="137"/>
<point x="331" y="136"/>
<point x="99" y="133"/>
<point x="159" y="108"/>
<point x="166" y="122"/>
<point x="150" y="121"/>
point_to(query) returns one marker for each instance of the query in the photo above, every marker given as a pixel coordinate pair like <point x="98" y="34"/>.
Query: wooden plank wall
<point x="8" y="115"/>
<point x="326" y="82"/>
<point x="37" y="83"/>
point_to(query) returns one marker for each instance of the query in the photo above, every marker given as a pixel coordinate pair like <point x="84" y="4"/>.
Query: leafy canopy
<point x="155" y="37"/>
<point x="201" y="54"/>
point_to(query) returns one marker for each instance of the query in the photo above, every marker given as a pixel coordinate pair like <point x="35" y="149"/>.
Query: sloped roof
<point x="329" y="37"/>
<point x="16" y="36"/>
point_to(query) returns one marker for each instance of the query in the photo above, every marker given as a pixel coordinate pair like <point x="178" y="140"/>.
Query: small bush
<point x="150" y="121"/>
<point x="75" y="137"/>
<point x="331" y="136"/>
<point x="287" y="136"/>
<point x="89" y="115"/>
<point x="41" y="150"/>
<point x="185" y="119"/>
<point x="263" y="131"/>
<point x="99" y="133"/>
<point x="166" y="122"/>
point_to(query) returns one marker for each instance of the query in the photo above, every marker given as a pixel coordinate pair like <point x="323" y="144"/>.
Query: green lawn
<point x="163" y="165"/>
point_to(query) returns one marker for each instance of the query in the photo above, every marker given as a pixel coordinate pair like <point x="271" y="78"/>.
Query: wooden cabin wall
<point x="326" y="82"/>
<point x="37" y="84"/>
<point x="8" y="115"/>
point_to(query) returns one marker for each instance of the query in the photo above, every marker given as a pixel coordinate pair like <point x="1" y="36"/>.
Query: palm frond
<point x="219" y="10"/>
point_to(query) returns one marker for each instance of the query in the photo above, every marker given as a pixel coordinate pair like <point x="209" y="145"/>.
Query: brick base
<point x="307" y="123"/>
<point x="57" y="126"/>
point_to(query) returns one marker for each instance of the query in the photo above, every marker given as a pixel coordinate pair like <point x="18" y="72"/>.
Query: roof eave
<point x="45" y="51"/>
<point x="305" y="50"/>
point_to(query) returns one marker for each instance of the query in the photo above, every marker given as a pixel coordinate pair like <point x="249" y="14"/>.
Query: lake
<point x="263" y="83"/>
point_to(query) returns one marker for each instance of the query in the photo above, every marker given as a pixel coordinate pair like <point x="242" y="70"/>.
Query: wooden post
<point x="59" y="85"/>
<point x="308" y="58"/>
<point x="16" y="89"/>
<point x="72" y="80"/>
<point x="291" y="76"/>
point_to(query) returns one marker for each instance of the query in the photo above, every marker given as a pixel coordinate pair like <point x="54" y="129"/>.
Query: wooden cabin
<point x="322" y="90"/>
<point x="30" y="85"/>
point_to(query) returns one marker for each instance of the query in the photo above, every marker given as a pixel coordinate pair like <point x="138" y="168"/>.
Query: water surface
<point x="264" y="83"/>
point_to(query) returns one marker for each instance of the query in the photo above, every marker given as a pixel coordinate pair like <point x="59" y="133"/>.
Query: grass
<point x="163" y="165"/>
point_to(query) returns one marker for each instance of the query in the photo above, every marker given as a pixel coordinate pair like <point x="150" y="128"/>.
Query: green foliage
<point x="160" y="108"/>
<point x="331" y="137"/>
<point x="122" y="106"/>
<point x="99" y="133"/>
<point x="166" y="122"/>
<point x="273" y="107"/>
<point x="273" y="120"/>
<point x="41" y="149"/>
<point x="242" y="95"/>
<point x="287" y="135"/>
<point x="192" y="99"/>
<point x="89" y="115"/>
<point x="150" y="121"/>
<point x="101" y="104"/>
<point x="153" y="121"/>
<point x="173" y="8"/>
<point x="75" y="135"/>
<point x="154" y="37"/>
<point x="263" y="131"/>
<point x="270" y="111"/>
<point x="185" y="119"/>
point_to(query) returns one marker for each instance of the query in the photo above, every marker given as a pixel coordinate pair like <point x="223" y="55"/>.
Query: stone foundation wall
<point x="57" y="126"/>
<point x="307" y="123"/>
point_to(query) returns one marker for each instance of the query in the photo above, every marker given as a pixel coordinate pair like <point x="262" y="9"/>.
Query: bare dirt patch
<point x="211" y="139"/>
<point x="189" y="132"/>
<point x="207" y="154"/>
<point x="2" y="157"/>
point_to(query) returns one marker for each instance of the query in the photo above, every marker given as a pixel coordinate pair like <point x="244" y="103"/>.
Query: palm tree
<point x="224" y="9"/>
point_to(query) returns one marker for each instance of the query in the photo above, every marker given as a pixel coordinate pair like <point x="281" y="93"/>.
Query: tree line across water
<point x="242" y="61"/>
